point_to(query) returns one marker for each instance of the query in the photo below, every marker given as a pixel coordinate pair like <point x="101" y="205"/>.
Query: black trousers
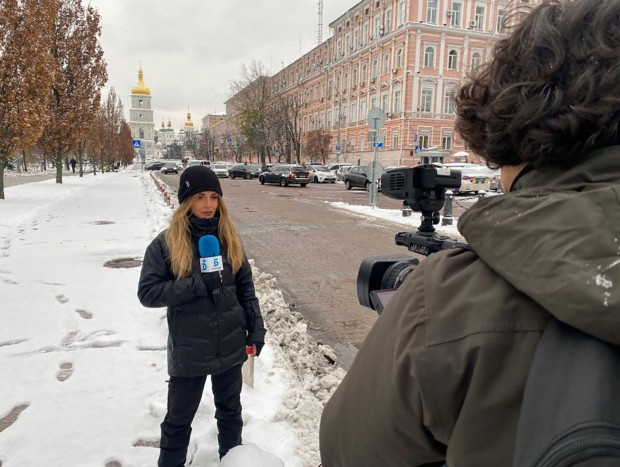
<point x="184" y="396"/>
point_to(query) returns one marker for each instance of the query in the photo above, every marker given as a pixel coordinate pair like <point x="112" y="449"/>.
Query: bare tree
<point x="253" y="96"/>
<point x="317" y="144"/>
<point x="80" y="73"/>
<point x="25" y="74"/>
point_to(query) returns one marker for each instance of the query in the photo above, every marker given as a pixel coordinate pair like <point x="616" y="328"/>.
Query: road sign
<point x="378" y="144"/>
<point x="376" y="118"/>
<point x="229" y="140"/>
<point x="338" y="149"/>
<point x="136" y="144"/>
<point x="418" y="149"/>
<point x="375" y="170"/>
<point x="376" y="137"/>
<point x="415" y="138"/>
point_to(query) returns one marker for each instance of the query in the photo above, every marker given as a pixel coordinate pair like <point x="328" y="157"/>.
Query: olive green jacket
<point x="442" y="372"/>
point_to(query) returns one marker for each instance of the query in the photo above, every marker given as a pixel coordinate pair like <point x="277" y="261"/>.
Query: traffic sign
<point x="415" y="138"/>
<point x="229" y="140"/>
<point x="136" y="143"/>
<point x="376" y="118"/>
<point x="377" y="144"/>
<point x="418" y="149"/>
<point x="376" y="136"/>
<point x="338" y="149"/>
<point x="375" y="170"/>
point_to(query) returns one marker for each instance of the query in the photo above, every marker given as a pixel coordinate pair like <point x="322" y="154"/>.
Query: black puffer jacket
<point x="208" y="328"/>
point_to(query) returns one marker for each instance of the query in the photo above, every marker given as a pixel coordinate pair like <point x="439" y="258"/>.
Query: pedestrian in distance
<point x="441" y="375"/>
<point x="212" y="316"/>
<point x="73" y="163"/>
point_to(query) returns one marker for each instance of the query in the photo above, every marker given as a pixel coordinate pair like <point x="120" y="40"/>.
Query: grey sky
<point x="191" y="50"/>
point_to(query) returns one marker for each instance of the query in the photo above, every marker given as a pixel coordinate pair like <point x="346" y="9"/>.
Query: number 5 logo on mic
<point x="211" y="264"/>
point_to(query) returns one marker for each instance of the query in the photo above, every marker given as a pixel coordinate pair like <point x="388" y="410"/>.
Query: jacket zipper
<point x="562" y="451"/>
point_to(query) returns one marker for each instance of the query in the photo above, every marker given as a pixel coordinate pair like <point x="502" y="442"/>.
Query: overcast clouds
<point x="191" y="49"/>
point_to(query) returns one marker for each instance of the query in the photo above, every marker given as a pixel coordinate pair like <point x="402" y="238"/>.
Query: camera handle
<point x="425" y="243"/>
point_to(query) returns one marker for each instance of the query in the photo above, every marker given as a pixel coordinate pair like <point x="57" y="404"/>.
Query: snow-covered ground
<point x="84" y="364"/>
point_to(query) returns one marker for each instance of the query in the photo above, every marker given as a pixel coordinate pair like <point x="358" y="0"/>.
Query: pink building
<point x="406" y="57"/>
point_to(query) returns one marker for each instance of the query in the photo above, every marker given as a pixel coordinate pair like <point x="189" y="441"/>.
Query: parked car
<point x="334" y="167"/>
<point x="169" y="168"/>
<point x="341" y="171"/>
<point x="154" y="165"/>
<point x="473" y="179"/>
<point x="357" y="177"/>
<point x="321" y="174"/>
<point x="246" y="171"/>
<point x="286" y="175"/>
<point x="220" y="169"/>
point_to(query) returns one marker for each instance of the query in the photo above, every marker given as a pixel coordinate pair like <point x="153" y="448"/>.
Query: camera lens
<point x="396" y="273"/>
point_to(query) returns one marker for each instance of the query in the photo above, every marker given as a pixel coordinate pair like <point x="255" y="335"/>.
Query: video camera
<point x="423" y="189"/>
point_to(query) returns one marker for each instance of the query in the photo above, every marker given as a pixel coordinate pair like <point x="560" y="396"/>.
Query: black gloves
<point x="259" y="347"/>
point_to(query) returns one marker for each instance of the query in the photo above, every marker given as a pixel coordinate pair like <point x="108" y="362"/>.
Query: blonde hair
<point x="179" y="239"/>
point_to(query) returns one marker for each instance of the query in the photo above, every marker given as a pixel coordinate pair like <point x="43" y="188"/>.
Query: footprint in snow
<point x="65" y="372"/>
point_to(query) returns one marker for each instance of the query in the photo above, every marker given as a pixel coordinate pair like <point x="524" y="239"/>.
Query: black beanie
<point x="196" y="179"/>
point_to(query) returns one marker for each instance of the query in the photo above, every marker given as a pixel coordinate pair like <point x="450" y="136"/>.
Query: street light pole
<point x="338" y="148"/>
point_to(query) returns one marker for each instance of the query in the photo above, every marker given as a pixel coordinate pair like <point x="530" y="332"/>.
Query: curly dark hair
<point x="551" y="93"/>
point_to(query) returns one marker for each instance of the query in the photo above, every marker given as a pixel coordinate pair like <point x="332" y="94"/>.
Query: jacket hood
<point x="556" y="238"/>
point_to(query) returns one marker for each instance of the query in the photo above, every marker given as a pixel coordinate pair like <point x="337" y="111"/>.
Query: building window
<point x="330" y="122"/>
<point x="457" y="9"/>
<point x="453" y="58"/>
<point x="479" y="21"/>
<point x="141" y="133"/>
<point x="365" y="33"/>
<point x="346" y="81"/>
<point x="475" y="60"/>
<point x="396" y="102"/>
<point x="377" y="30"/>
<point x="345" y="114"/>
<point x="431" y="12"/>
<point x="395" y="139"/>
<point x="426" y="100"/>
<point x="364" y="72"/>
<point x="356" y="39"/>
<point x="401" y="12"/>
<point x="446" y="141"/>
<point x="140" y="103"/>
<point x="388" y="20"/>
<point x="448" y="102"/>
<point x="363" y="114"/>
<point x="399" y="59"/>
<point x="373" y="102"/>
<point x="375" y="67"/>
<point x="429" y="57"/>
<point x="361" y="141"/>
<point x="501" y="13"/>
<point x="384" y="102"/>
<point x="354" y="112"/>
<point x="386" y="63"/>
<point x="423" y="140"/>
<point x="354" y="77"/>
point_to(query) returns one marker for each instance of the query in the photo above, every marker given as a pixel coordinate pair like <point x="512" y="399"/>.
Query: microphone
<point x="211" y="263"/>
<point x="210" y="259"/>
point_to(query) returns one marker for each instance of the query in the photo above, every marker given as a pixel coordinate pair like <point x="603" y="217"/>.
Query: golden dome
<point x="141" y="89"/>
<point x="189" y="119"/>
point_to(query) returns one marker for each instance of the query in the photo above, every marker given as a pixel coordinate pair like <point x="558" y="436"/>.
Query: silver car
<point x="220" y="169"/>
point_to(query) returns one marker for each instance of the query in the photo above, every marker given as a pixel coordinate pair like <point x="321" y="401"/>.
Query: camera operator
<point x="441" y="374"/>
